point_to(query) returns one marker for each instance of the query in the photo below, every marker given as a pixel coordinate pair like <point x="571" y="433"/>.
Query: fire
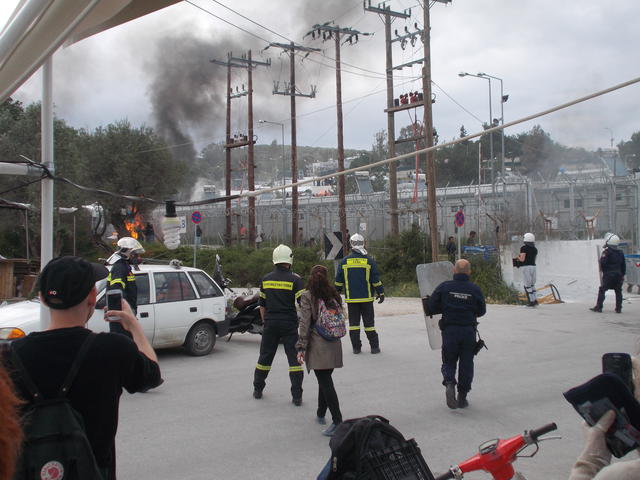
<point x="134" y="223"/>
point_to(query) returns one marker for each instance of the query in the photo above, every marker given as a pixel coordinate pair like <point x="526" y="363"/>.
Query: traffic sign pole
<point x="196" y="218"/>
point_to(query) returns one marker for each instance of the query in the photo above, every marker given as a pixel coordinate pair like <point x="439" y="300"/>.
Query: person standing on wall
<point x="121" y="276"/>
<point x="358" y="274"/>
<point x="527" y="261"/>
<point x="613" y="268"/>
<point x="460" y="302"/>
<point x="322" y="356"/>
<point x="279" y="292"/>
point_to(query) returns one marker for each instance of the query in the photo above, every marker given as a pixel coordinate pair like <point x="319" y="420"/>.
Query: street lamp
<point x="611" y="133"/>
<point x="284" y="182"/>
<point x="503" y="99"/>
<point x="465" y="74"/>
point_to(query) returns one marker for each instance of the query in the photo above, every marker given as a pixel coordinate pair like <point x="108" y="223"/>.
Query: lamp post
<point x="503" y="99"/>
<point x="465" y="74"/>
<point x="610" y="133"/>
<point x="284" y="182"/>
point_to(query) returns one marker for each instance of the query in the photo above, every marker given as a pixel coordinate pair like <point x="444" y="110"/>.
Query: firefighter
<point x="279" y="292"/>
<point x="121" y="276"/>
<point x="358" y="275"/>
<point x="613" y="268"/>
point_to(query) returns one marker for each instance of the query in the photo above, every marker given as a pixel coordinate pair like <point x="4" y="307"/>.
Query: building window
<point x="618" y="197"/>
<point x="567" y="204"/>
<point x="598" y="198"/>
<point x="579" y="203"/>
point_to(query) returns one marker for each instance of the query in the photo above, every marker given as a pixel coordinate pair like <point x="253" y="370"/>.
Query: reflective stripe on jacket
<point x="358" y="275"/>
<point x="279" y="291"/>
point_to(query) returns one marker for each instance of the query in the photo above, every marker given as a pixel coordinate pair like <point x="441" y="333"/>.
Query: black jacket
<point x="612" y="262"/>
<point x="460" y="301"/>
<point x="279" y="291"/>
<point x="121" y="277"/>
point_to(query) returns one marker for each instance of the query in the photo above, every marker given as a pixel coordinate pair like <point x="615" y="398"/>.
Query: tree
<point x="630" y="151"/>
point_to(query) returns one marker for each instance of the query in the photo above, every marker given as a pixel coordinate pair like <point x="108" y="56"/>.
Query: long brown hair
<point x="10" y="432"/>
<point x="320" y="288"/>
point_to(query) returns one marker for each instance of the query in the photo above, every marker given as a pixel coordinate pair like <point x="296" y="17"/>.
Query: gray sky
<point x="156" y="69"/>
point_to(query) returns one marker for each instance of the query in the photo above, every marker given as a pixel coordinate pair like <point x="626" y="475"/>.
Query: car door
<point x="214" y="302"/>
<point x="146" y="310"/>
<point x="177" y="308"/>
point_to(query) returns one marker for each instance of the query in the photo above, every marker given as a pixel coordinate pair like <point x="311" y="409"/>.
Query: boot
<point x="375" y="349"/>
<point x="297" y="401"/>
<point x="596" y="309"/>
<point x="462" y="400"/>
<point x="357" y="349"/>
<point x="257" y="394"/>
<point x="450" y="394"/>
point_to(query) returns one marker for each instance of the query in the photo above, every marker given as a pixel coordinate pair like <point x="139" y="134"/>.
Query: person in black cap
<point x="112" y="362"/>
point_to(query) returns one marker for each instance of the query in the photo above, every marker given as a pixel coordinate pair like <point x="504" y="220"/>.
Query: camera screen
<point x="114" y="301"/>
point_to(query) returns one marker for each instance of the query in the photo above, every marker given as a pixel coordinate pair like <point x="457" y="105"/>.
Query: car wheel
<point x="200" y="339"/>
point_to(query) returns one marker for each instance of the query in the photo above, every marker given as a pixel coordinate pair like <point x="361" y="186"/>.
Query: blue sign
<point x="196" y="217"/>
<point x="459" y="218"/>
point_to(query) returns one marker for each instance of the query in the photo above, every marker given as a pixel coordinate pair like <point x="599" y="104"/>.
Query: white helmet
<point x="612" y="240"/>
<point x="529" y="237"/>
<point x="128" y="246"/>
<point x="282" y="254"/>
<point x="357" y="243"/>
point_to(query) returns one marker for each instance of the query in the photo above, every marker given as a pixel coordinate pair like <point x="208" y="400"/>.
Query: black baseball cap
<point x="66" y="281"/>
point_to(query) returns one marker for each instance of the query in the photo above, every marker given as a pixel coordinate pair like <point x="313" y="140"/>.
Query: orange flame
<point x="134" y="225"/>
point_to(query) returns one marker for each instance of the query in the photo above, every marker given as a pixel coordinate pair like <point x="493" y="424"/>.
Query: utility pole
<point x="291" y="91"/>
<point x="428" y="129"/>
<point x="386" y="11"/>
<point x="250" y="64"/>
<point x="229" y="143"/>
<point x="326" y="32"/>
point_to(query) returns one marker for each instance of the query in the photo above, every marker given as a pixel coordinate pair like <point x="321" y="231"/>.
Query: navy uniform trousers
<point x="458" y="345"/>
<point x="276" y="332"/>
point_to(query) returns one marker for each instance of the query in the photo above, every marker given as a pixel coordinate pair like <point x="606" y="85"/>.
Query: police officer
<point x="613" y="268"/>
<point x="527" y="261"/>
<point x="358" y="274"/>
<point x="121" y="276"/>
<point x="279" y="291"/>
<point x="461" y="303"/>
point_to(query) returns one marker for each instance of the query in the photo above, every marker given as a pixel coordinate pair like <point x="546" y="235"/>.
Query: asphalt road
<point x="203" y="423"/>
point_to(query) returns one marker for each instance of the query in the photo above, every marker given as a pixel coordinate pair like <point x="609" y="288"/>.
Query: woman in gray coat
<point x="321" y="355"/>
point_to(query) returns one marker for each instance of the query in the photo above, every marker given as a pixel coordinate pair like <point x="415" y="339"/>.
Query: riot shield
<point x="430" y="275"/>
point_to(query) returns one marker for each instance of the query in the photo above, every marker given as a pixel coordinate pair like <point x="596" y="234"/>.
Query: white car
<point x="177" y="306"/>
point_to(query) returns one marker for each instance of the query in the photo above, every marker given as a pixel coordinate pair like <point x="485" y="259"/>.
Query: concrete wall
<point x="571" y="265"/>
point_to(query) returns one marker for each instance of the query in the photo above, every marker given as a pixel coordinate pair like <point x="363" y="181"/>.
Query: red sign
<point x="459" y="218"/>
<point x="196" y="217"/>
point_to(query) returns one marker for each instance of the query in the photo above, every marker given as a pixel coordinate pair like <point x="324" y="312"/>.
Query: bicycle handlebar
<point x="502" y="453"/>
<point x="446" y="476"/>
<point x="538" y="432"/>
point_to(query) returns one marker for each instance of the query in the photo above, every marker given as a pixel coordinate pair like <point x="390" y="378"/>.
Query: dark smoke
<point x="188" y="91"/>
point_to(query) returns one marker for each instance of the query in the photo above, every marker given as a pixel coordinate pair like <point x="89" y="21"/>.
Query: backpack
<point x="330" y="324"/>
<point x="368" y="447"/>
<point x="55" y="445"/>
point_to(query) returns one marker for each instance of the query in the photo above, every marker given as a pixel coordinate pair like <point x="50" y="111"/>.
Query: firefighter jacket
<point x="279" y="291"/>
<point x="121" y="277"/>
<point x="459" y="301"/>
<point x="358" y="275"/>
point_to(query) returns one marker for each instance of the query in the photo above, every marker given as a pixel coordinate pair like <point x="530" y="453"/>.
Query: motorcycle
<point x="247" y="318"/>
<point x="497" y="456"/>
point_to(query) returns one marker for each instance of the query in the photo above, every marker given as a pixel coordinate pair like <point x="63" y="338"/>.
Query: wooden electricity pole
<point x="428" y="131"/>
<point x="386" y="11"/>
<point x="291" y="91"/>
<point x="327" y="32"/>
<point x="250" y="64"/>
<point x="229" y="144"/>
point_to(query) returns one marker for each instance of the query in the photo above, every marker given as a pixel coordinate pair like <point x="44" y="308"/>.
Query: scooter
<point x="247" y="318"/>
<point x="497" y="456"/>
